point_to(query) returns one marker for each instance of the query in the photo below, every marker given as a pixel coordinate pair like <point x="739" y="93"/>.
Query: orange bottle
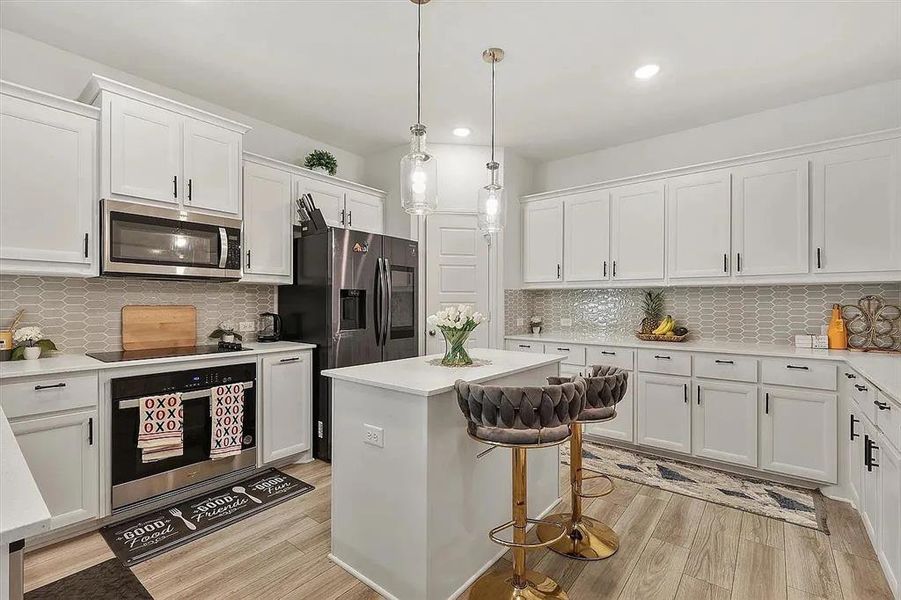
<point x="838" y="336"/>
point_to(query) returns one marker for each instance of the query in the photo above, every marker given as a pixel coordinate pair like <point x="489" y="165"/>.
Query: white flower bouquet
<point x="456" y="323"/>
<point x="30" y="343"/>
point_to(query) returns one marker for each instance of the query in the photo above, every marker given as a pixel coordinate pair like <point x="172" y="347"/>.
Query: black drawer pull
<point x="524" y="346"/>
<point x="564" y="349"/>
<point x="608" y="353"/>
<point x="861" y="388"/>
<point x="882" y="405"/>
<point x="725" y="362"/>
<point x="660" y="357"/>
<point x="287" y="360"/>
<point x="38" y="388"/>
<point x="850" y="376"/>
<point x="797" y="367"/>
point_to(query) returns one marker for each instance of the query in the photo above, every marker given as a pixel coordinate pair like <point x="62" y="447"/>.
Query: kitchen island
<point x="413" y="496"/>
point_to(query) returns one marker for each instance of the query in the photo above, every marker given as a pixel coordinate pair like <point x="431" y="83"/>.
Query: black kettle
<point x="270" y="327"/>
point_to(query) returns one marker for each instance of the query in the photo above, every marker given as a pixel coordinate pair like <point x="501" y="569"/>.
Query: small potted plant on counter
<point x="535" y="324"/>
<point x="30" y="344"/>
<point x="456" y="323"/>
<point x="321" y="161"/>
<point x="226" y="332"/>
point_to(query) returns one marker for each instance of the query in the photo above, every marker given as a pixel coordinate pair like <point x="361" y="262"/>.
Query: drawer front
<point x="521" y="346"/>
<point x="614" y="357"/>
<point x="864" y="393"/>
<point x="722" y="366"/>
<point x="575" y="354"/>
<point x="888" y="419"/>
<point x="35" y="396"/>
<point x="663" y="361"/>
<point x="799" y="373"/>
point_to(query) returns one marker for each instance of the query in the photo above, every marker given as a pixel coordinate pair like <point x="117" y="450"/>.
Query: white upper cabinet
<point x="542" y="225"/>
<point x="698" y="225"/>
<point x="770" y="204"/>
<point x="328" y="198"/>
<point x="212" y="175"/>
<point x="586" y="236"/>
<point x="857" y="208"/>
<point x="364" y="211"/>
<point x="638" y="231"/>
<point x="48" y="184"/>
<point x="268" y="214"/>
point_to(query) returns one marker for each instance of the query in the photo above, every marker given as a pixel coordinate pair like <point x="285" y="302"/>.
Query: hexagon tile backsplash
<point x="85" y="314"/>
<point x="757" y="314"/>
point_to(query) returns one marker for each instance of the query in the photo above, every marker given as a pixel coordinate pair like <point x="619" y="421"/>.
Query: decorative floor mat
<point x="783" y="502"/>
<point x="149" y="535"/>
<point x="110" y="580"/>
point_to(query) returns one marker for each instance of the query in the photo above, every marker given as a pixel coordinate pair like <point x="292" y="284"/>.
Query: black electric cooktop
<point x="123" y="355"/>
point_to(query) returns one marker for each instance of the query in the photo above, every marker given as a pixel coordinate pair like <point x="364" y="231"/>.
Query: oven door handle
<point x="223" y="247"/>
<point x="194" y="395"/>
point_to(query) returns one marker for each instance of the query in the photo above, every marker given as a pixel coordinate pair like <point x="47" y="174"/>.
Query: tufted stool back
<point x="521" y="415"/>
<point x="605" y="388"/>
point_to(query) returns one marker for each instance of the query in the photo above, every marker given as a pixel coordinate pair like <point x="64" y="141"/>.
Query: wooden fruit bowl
<point x="653" y="337"/>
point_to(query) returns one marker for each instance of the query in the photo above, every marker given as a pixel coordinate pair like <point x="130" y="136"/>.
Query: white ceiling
<point x="344" y="72"/>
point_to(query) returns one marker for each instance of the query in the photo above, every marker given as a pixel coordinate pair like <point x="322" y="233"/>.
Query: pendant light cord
<point x="419" y="63"/>
<point x="493" y="63"/>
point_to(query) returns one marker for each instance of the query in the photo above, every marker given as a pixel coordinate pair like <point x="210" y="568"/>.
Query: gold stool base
<point x="498" y="585"/>
<point x="587" y="540"/>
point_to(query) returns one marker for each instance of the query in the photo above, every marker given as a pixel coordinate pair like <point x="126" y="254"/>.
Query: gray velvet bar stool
<point x="520" y="418"/>
<point x="587" y="538"/>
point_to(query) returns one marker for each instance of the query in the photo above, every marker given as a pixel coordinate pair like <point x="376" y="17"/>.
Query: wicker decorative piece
<point x="653" y="337"/>
<point x="873" y="325"/>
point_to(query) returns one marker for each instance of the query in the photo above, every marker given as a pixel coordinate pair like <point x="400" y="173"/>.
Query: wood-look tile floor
<point x="672" y="547"/>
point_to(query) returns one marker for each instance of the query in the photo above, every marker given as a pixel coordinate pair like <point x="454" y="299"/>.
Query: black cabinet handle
<point x="766" y="403"/>
<point x="850" y="375"/>
<point x="725" y="263"/>
<point x="738" y="261"/>
<point x="91" y="431"/>
<point x="38" y="388"/>
<point x="85" y="245"/>
<point x="685" y="392"/>
<point x="605" y="268"/>
<point x="608" y="353"/>
<point x="868" y="460"/>
<point x="248" y="259"/>
<point x="190" y="189"/>
<point x="558" y="270"/>
<point x="799" y="368"/>
<point x="882" y="405"/>
<point x="350" y="218"/>
<point x="289" y="360"/>
<point x="661" y="357"/>
<point x="699" y="395"/>
<point x="565" y="349"/>
<point x="854" y="435"/>
<point x="175" y="186"/>
<point x="861" y="388"/>
<point x="614" y="268"/>
<point x="342" y="216"/>
<point x="724" y="362"/>
<point x="819" y="259"/>
<point x="524" y="346"/>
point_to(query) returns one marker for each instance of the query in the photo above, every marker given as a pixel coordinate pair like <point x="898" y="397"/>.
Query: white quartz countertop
<point x="72" y="363"/>
<point x="883" y="370"/>
<point x="418" y="377"/>
<point x="23" y="512"/>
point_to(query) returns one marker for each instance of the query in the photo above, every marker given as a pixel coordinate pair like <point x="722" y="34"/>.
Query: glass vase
<point x="455" y="354"/>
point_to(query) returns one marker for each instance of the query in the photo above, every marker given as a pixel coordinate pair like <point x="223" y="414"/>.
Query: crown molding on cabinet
<point x="304" y="172"/>
<point x="32" y="95"/>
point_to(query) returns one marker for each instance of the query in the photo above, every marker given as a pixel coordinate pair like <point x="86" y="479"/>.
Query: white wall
<point x="35" y="64"/>
<point x="861" y="110"/>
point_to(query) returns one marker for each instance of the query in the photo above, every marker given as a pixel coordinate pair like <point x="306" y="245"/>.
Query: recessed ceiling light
<point x="647" y="71"/>
<point x="462" y="131"/>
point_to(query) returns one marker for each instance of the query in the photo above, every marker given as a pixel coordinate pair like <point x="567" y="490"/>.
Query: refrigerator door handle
<point x="378" y="302"/>
<point x="387" y="271"/>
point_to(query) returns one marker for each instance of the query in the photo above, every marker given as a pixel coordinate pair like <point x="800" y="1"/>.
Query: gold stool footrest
<point x="577" y="485"/>
<point x="493" y="534"/>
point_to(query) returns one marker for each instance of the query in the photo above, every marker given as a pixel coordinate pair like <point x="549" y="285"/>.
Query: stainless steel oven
<point x="148" y="241"/>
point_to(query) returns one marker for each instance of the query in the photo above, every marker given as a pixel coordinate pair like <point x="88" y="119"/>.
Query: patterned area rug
<point x="786" y="503"/>
<point x="110" y="580"/>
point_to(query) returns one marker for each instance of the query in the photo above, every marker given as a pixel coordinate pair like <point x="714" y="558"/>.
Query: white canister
<point x="32" y="352"/>
<point x="228" y="338"/>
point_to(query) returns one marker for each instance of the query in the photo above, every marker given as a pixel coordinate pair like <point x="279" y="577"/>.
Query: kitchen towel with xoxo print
<point x="227" y="413"/>
<point x="160" y="427"/>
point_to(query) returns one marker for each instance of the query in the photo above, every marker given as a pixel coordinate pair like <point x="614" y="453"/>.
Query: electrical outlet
<point x="374" y="436"/>
<point x="247" y="326"/>
<point x="566" y="322"/>
<point x="520" y="322"/>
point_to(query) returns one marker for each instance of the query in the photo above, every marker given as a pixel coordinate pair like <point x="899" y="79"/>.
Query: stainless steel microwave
<point x="152" y="242"/>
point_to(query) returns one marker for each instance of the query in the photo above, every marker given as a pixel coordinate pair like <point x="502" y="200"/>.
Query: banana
<point x="667" y="325"/>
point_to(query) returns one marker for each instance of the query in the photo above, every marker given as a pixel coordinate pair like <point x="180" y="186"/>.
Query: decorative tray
<point x="653" y="337"/>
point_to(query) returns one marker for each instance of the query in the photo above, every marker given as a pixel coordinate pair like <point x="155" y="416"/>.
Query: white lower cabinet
<point x="724" y="422"/>
<point x="520" y="346"/>
<point x="664" y="418"/>
<point x="869" y="502"/>
<point x="62" y="456"/>
<point x="889" y="487"/>
<point x="620" y="427"/>
<point x="287" y="405"/>
<point x="798" y="433"/>
<point x="855" y="452"/>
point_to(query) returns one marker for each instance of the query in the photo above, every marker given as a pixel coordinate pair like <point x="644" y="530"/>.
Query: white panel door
<point x="62" y="457"/>
<point x="857" y="208"/>
<point x="890" y="512"/>
<point x="637" y="232"/>
<point x="542" y="241"/>
<point x="456" y="273"/>
<point x="327" y="197"/>
<point x="47" y="189"/>
<point x="364" y="212"/>
<point x="770" y="218"/>
<point x="798" y="433"/>
<point x="145" y="151"/>
<point x="212" y="167"/>
<point x="287" y="405"/>
<point x="724" y="422"/>
<point x="586" y="236"/>
<point x="699" y="224"/>
<point x="664" y="412"/>
<point x="619" y="428"/>
<point x="268" y="213"/>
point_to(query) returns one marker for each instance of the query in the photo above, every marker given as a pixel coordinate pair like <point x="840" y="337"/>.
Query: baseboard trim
<point x="362" y="577"/>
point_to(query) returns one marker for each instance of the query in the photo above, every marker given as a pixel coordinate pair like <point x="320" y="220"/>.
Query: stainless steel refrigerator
<point x="354" y="296"/>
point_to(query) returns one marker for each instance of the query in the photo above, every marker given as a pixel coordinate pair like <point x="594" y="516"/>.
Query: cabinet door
<point x="145" y="151"/>
<point x="364" y="212"/>
<point x="724" y="422"/>
<point x="619" y="428"/>
<point x="857" y="208"/>
<point x="287" y="405"/>
<point x="890" y="512"/>
<point x="62" y="457"/>
<point x="586" y="237"/>
<point x="637" y="232"/>
<point x="212" y="168"/>
<point x="664" y="412"/>
<point x="798" y="433"/>
<point x="854" y="458"/>
<point x="47" y="190"/>
<point x="267" y="224"/>
<point x="770" y="216"/>
<point x="870" y="485"/>
<point x="699" y="224"/>
<point x="327" y="197"/>
<point x="542" y="242"/>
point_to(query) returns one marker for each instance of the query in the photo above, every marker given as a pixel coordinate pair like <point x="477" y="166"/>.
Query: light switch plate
<point x="520" y="322"/>
<point x="374" y="436"/>
<point x="566" y="322"/>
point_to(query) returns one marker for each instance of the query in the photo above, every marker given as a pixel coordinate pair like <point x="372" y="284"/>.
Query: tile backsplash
<point x="761" y="314"/>
<point x="85" y="314"/>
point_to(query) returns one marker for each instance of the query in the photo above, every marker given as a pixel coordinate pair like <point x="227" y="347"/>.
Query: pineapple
<point x="652" y="309"/>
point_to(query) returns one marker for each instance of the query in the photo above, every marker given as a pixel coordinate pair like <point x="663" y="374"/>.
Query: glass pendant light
<point x="418" y="169"/>
<point x="491" y="197"/>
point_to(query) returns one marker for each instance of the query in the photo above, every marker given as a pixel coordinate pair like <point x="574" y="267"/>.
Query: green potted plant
<point x="30" y="344"/>
<point x="321" y="161"/>
<point x="226" y="332"/>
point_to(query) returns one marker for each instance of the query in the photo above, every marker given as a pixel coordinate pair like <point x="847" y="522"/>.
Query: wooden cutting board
<point x="147" y="327"/>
